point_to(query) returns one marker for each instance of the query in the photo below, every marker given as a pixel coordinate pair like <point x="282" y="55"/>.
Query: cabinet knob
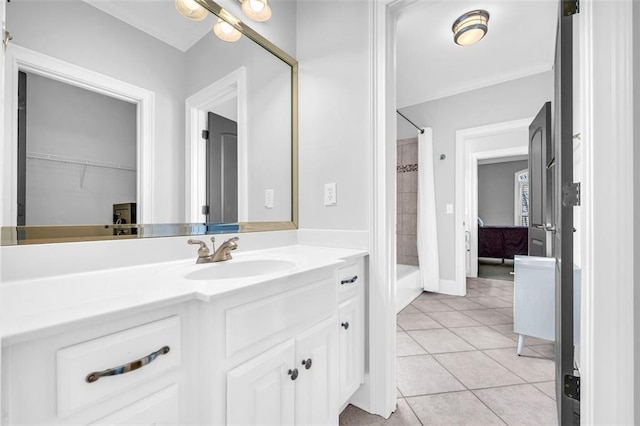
<point x="345" y="325"/>
<point x="293" y="373"/>
<point x="307" y="363"/>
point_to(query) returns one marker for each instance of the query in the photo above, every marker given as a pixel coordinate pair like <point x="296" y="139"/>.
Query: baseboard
<point x="334" y="238"/>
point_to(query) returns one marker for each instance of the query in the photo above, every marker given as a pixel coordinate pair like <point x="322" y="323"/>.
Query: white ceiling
<point x="520" y="42"/>
<point x="159" y="19"/>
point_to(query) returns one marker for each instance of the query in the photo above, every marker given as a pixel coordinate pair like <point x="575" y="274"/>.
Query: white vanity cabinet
<point x="293" y="383"/>
<point x="351" y="329"/>
<point x="130" y="369"/>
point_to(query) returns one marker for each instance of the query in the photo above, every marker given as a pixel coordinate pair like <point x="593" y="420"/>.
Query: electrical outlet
<point x="449" y="208"/>
<point x="268" y="198"/>
<point x="330" y="196"/>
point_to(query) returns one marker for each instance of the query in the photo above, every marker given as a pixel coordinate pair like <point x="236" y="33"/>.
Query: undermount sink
<point x="239" y="268"/>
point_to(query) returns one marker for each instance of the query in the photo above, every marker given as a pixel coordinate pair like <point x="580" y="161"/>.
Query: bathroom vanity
<point x="238" y="342"/>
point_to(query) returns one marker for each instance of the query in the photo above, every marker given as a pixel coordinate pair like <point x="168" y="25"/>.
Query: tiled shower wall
<point x="407" y="186"/>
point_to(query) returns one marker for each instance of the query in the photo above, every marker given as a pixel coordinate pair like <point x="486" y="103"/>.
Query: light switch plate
<point x="268" y="198"/>
<point x="449" y="208"/>
<point x="330" y="196"/>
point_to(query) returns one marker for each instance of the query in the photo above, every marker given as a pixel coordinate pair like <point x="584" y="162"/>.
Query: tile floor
<point x="457" y="364"/>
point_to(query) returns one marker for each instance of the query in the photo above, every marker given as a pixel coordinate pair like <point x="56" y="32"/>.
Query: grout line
<point x="414" y="412"/>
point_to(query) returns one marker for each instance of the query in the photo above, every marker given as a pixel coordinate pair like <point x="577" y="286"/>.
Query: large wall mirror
<point x="124" y="119"/>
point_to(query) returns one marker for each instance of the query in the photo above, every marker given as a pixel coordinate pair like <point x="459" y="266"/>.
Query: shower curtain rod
<point x="410" y="122"/>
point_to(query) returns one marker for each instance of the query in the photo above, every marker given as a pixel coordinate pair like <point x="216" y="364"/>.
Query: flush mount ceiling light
<point x="190" y="9"/>
<point x="256" y="10"/>
<point x="471" y="27"/>
<point x="225" y="31"/>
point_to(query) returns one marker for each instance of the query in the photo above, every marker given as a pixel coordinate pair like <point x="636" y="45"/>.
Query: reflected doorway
<point x="222" y="169"/>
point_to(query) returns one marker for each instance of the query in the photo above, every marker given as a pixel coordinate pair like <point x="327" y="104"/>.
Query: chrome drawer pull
<point x="351" y="281"/>
<point x="126" y="368"/>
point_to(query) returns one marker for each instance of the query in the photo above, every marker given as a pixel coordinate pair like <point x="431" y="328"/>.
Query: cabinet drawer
<point x="277" y="317"/>
<point x="132" y="348"/>
<point x="162" y="407"/>
<point x="349" y="278"/>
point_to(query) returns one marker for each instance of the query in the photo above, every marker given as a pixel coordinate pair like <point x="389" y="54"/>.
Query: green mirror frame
<point x="19" y="235"/>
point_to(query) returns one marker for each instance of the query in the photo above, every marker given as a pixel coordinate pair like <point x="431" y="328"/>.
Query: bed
<point x="502" y="242"/>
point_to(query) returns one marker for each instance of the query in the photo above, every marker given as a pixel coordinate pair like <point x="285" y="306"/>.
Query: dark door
<point x="222" y="170"/>
<point x="540" y="181"/>
<point x="22" y="149"/>
<point x="562" y="217"/>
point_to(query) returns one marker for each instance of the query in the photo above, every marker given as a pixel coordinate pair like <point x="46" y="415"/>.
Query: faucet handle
<point x="203" y="250"/>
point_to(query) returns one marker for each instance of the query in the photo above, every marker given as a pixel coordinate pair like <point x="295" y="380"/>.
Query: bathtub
<point x="407" y="285"/>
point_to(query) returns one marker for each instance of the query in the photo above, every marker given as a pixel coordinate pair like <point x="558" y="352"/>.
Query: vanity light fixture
<point x="256" y="10"/>
<point x="471" y="27"/>
<point x="190" y="9"/>
<point x="225" y="31"/>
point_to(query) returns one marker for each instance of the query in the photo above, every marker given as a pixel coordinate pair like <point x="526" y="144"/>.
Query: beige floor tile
<point x="427" y="306"/>
<point x="492" y="302"/>
<point x="505" y="311"/>
<point x="462" y="304"/>
<point x="484" y="337"/>
<point x="495" y="291"/>
<point x="402" y="416"/>
<point x="456" y="408"/>
<point x="506" y="330"/>
<point x="427" y="295"/>
<point x="489" y="317"/>
<point x="531" y="366"/>
<point x="548" y="388"/>
<point x="418" y="321"/>
<point x="422" y="375"/>
<point x="410" y="310"/>
<point x="440" y="341"/>
<point x="520" y="405"/>
<point x="406" y="346"/>
<point x="547" y="351"/>
<point x="453" y="319"/>
<point x="472" y="292"/>
<point x="477" y="370"/>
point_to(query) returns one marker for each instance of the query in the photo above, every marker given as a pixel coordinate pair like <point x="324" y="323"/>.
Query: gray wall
<point x="636" y="195"/>
<point x="81" y="34"/>
<point x="496" y="191"/>
<point x="335" y="118"/>
<point x="68" y="121"/>
<point x="513" y="100"/>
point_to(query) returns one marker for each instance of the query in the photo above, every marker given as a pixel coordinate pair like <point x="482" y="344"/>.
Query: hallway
<point x="457" y="364"/>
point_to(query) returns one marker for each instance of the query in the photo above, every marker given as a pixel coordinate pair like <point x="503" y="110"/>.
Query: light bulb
<point x="257" y="10"/>
<point x="225" y="31"/>
<point x="191" y="9"/>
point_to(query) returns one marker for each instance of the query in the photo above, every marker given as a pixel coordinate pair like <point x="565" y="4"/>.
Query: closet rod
<point x="71" y="160"/>
<point x="410" y="122"/>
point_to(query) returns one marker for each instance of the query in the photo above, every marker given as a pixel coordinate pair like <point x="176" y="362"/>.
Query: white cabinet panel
<point x="316" y="387"/>
<point x="260" y="391"/>
<point x="351" y="346"/>
<point x="160" y="408"/>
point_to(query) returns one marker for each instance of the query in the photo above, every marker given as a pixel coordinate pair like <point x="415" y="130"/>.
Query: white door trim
<point x="19" y="58"/>
<point x="197" y="105"/>
<point x="466" y="189"/>
<point x="607" y="215"/>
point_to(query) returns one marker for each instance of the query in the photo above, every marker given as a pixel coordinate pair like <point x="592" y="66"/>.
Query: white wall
<point x="335" y="119"/>
<point x="636" y="198"/>
<point x="78" y="33"/>
<point x="496" y="191"/>
<point x="503" y="102"/>
<point x="268" y="114"/>
<point x="68" y="121"/>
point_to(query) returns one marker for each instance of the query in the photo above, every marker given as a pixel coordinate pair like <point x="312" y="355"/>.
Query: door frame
<point x="197" y="105"/>
<point x="18" y="58"/>
<point x="466" y="188"/>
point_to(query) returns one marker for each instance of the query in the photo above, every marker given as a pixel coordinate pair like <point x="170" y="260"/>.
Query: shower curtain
<point x="427" y="226"/>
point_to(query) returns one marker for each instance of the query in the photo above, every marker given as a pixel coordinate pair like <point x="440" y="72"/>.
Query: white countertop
<point x="29" y="307"/>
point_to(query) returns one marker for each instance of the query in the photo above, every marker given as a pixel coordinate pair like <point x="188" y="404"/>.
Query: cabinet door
<point x="351" y="346"/>
<point x="316" y="388"/>
<point x="261" y="391"/>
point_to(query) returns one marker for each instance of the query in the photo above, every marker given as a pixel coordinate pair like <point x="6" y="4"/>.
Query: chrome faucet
<point x="220" y="255"/>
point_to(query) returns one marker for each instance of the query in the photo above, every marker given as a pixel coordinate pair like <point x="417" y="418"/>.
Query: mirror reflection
<point x="126" y="112"/>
